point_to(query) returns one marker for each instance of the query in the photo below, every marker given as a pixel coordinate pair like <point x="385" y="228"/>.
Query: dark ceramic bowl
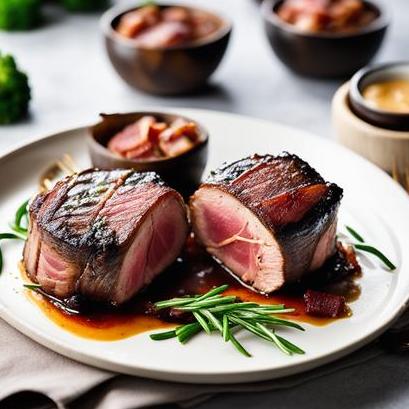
<point x="325" y="55"/>
<point x="165" y="71"/>
<point x="182" y="172"/>
<point x="384" y="119"/>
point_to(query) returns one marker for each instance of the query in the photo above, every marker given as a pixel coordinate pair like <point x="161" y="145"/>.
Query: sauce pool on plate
<point x="391" y="96"/>
<point x="194" y="272"/>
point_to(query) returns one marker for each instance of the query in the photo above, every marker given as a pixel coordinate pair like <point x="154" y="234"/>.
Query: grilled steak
<point x="104" y="234"/>
<point x="269" y="219"/>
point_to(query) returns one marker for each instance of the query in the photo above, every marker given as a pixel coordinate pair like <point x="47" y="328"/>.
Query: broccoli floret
<point x="14" y="91"/>
<point x="19" y="14"/>
<point x="85" y="5"/>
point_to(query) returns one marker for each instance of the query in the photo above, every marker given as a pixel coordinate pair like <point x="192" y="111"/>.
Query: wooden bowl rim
<point x="340" y="107"/>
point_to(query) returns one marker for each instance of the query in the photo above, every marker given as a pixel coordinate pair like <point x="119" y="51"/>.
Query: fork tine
<point x="63" y="166"/>
<point x="69" y="162"/>
<point x="66" y="165"/>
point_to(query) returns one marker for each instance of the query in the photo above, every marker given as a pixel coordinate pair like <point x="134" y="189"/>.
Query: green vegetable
<point x="361" y="246"/>
<point x="19" y="14"/>
<point x="14" y="91"/>
<point x="33" y="287"/>
<point x="374" y="251"/>
<point x="20" y="231"/>
<point x="85" y="5"/>
<point x="355" y="234"/>
<point x="215" y="312"/>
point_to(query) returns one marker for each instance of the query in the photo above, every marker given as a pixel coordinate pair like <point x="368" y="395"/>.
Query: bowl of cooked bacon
<point x="325" y="38"/>
<point x="171" y="145"/>
<point x="165" y="49"/>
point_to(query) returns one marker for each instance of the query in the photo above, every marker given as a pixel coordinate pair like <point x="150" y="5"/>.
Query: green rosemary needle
<point x="33" y="287"/>
<point x="19" y="230"/>
<point x="214" y="312"/>
<point x="377" y="253"/>
<point x="355" y="234"/>
<point x="362" y="246"/>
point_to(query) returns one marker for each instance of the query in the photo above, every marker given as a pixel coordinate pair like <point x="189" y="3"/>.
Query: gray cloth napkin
<point x="26" y="366"/>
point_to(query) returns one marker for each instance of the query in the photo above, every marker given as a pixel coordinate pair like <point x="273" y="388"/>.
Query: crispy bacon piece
<point x="176" y="147"/>
<point x="326" y="15"/>
<point x="180" y="14"/>
<point x="133" y="136"/>
<point x="165" y="34"/>
<point x="152" y="27"/>
<point x="149" y="139"/>
<point x="323" y="304"/>
<point x="143" y="151"/>
<point x="133" y="22"/>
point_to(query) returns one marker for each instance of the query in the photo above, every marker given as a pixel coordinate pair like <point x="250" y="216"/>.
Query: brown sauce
<point x="194" y="272"/>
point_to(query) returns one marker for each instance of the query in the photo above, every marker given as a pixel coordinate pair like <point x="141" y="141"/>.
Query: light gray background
<point x="72" y="82"/>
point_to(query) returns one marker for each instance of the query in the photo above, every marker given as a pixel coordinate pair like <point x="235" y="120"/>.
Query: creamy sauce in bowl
<point x="390" y="96"/>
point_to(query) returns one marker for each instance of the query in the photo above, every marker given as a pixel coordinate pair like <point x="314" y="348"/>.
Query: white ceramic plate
<point x="372" y="203"/>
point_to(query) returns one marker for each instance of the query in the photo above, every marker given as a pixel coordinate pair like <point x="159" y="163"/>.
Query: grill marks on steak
<point x="268" y="219"/>
<point x="63" y="220"/>
<point x="158" y="213"/>
<point x="88" y="225"/>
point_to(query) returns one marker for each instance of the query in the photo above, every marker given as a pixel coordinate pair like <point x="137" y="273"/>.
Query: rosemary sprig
<point x="362" y="246"/>
<point x="355" y="234"/>
<point x="377" y="253"/>
<point x="214" y="312"/>
<point x="33" y="287"/>
<point x="19" y="229"/>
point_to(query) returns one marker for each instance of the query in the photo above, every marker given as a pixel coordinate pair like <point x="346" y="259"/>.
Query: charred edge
<point x="228" y="172"/>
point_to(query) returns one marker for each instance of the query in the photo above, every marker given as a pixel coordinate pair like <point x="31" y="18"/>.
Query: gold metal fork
<point x="64" y="166"/>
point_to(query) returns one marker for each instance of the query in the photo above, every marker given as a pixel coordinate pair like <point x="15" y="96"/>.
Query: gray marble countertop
<point x="72" y="81"/>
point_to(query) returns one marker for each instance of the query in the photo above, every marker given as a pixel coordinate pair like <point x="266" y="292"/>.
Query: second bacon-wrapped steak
<point x="268" y="219"/>
<point x="104" y="234"/>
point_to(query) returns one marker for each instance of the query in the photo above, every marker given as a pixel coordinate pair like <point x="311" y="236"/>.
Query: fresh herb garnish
<point x="355" y="234"/>
<point x="362" y="246"/>
<point x="377" y="253"/>
<point x="225" y="314"/>
<point x="19" y="229"/>
<point x="33" y="287"/>
<point x="21" y="215"/>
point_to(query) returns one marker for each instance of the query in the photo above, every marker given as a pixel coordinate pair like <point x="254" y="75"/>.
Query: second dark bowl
<point x="164" y="71"/>
<point x="183" y="172"/>
<point x="325" y="55"/>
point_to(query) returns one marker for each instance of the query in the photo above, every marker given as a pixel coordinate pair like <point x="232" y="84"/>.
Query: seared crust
<point x="101" y="270"/>
<point x="258" y="180"/>
<point x="73" y="220"/>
